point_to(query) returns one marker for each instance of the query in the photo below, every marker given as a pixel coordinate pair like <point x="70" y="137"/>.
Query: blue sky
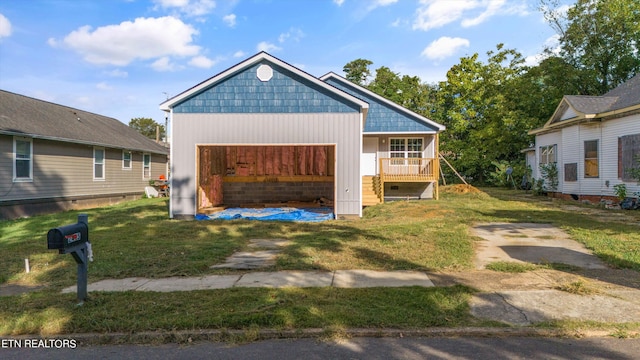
<point x="122" y="58"/>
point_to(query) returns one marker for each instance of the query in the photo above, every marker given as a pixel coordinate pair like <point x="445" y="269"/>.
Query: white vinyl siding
<point x="98" y="164"/>
<point x="22" y="159"/>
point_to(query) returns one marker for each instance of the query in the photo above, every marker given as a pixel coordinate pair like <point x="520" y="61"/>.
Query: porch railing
<point x="408" y="169"/>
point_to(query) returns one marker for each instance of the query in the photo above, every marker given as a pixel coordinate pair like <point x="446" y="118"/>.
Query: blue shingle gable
<point x="285" y="92"/>
<point x="382" y="117"/>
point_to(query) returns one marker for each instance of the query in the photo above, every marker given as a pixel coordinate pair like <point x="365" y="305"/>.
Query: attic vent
<point x="265" y="72"/>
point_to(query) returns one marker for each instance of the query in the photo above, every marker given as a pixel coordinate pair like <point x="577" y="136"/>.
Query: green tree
<point x="147" y="127"/>
<point x="480" y="107"/>
<point x="357" y="71"/>
<point x="599" y="38"/>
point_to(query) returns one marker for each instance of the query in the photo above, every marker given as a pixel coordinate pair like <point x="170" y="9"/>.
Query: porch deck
<point x="422" y="170"/>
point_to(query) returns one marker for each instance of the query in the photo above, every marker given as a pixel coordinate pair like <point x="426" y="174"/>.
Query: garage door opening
<point x="265" y="176"/>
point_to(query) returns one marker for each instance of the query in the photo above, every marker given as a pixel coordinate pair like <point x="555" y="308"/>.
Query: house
<point x="54" y="157"/>
<point x="264" y="132"/>
<point x="593" y="142"/>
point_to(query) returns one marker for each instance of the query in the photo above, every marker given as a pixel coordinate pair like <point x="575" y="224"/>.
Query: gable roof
<point x="624" y="99"/>
<point x="380" y="118"/>
<point x="25" y="116"/>
<point x="261" y="57"/>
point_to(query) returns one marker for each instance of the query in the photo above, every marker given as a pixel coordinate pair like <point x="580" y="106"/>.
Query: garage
<point x="265" y="176"/>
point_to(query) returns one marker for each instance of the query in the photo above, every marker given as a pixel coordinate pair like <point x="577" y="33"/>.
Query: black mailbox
<point x="68" y="236"/>
<point x="74" y="239"/>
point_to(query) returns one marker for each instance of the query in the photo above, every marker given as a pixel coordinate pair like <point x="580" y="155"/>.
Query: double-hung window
<point x="591" y="168"/>
<point x="98" y="164"/>
<point x="126" y="160"/>
<point x="146" y="166"/>
<point x="548" y="154"/>
<point x="404" y="148"/>
<point x="22" y="159"/>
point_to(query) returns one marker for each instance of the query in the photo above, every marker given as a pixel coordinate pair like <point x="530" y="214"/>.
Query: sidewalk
<point x="524" y="300"/>
<point x="339" y="279"/>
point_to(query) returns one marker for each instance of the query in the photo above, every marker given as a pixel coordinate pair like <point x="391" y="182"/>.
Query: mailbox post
<point x="74" y="239"/>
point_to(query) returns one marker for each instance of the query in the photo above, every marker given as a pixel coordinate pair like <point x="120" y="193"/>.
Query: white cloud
<point x="187" y="7"/>
<point x="117" y="73"/>
<point x="5" y="27"/>
<point x="103" y="86"/>
<point x="267" y="46"/>
<point x="145" y="38"/>
<point x="164" y="64"/>
<point x="202" y="62"/>
<point x="433" y="14"/>
<point x="230" y="20"/>
<point x="338" y="2"/>
<point x="444" y="47"/>
<point x="239" y="54"/>
<point x="294" y="34"/>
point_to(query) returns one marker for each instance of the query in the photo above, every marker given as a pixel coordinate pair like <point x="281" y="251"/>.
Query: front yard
<point x="138" y="240"/>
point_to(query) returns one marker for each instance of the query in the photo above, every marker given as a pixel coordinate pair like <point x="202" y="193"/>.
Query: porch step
<point x="369" y="196"/>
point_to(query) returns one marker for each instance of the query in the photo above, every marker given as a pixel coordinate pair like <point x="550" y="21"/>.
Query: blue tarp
<point x="271" y="214"/>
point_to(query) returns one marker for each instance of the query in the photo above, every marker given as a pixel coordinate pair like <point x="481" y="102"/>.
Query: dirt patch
<point x="460" y="189"/>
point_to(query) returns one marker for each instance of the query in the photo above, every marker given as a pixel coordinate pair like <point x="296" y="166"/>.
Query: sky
<point x="122" y="58"/>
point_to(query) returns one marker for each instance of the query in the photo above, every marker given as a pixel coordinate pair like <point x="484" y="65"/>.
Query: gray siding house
<point x="53" y="157"/>
<point x="265" y="132"/>
<point x="593" y="141"/>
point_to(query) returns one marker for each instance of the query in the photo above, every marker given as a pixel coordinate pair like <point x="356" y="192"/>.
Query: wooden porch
<point x="397" y="170"/>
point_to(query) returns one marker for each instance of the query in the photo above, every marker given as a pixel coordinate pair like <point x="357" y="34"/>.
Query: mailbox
<point x="68" y="236"/>
<point x="74" y="239"/>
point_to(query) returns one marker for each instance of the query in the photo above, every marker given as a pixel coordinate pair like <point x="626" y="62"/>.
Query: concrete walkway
<point x="339" y="279"/>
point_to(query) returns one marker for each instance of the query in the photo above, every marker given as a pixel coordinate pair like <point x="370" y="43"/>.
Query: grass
<point x="137" y="239"/>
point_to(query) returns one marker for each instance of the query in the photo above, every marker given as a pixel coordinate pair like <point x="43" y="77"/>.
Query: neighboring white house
<point x="594" y="141"/>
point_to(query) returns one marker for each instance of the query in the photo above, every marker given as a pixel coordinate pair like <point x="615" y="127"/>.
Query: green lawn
<point x="138" y="239"/>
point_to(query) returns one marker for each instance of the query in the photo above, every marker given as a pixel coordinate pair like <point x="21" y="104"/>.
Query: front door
<point x="369" y="159"/>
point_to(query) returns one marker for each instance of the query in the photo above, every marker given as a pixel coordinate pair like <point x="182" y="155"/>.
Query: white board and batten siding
<point x="340" y="129"/>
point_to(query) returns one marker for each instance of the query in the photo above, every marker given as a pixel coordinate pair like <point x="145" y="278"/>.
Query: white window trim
<point x="104" y="164"/>
<point x="554" y="153"/>
<point x="144" y="166"/>
<point x="130" y="160"/>
<point x="406" y="147"/>
<point x="15" y="158"/>
<point x="597" y="158"/>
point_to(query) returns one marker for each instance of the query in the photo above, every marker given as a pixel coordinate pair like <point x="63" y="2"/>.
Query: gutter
<point x="81" y="142"/>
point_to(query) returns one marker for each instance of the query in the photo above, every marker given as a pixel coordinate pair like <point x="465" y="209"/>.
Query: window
<point x="591" y="159"/>
<point x="126" y="160"/>
<point x="22" y="159"/>
<point x="548" y="154"/>
<point x="404" y="148"/>
<point x="146" y="166"/>
<point x="628" y="156"/>
<point x="98" y="164"/>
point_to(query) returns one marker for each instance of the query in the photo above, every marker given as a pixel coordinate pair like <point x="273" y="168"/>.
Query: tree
<point x="357" y="71"/>
<point x="147" y="127"/>
<point x="479" y="106"/>
<point x="599" y="38"/>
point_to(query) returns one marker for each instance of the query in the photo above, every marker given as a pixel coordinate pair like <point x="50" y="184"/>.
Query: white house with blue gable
<point x="265" y="133"/>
